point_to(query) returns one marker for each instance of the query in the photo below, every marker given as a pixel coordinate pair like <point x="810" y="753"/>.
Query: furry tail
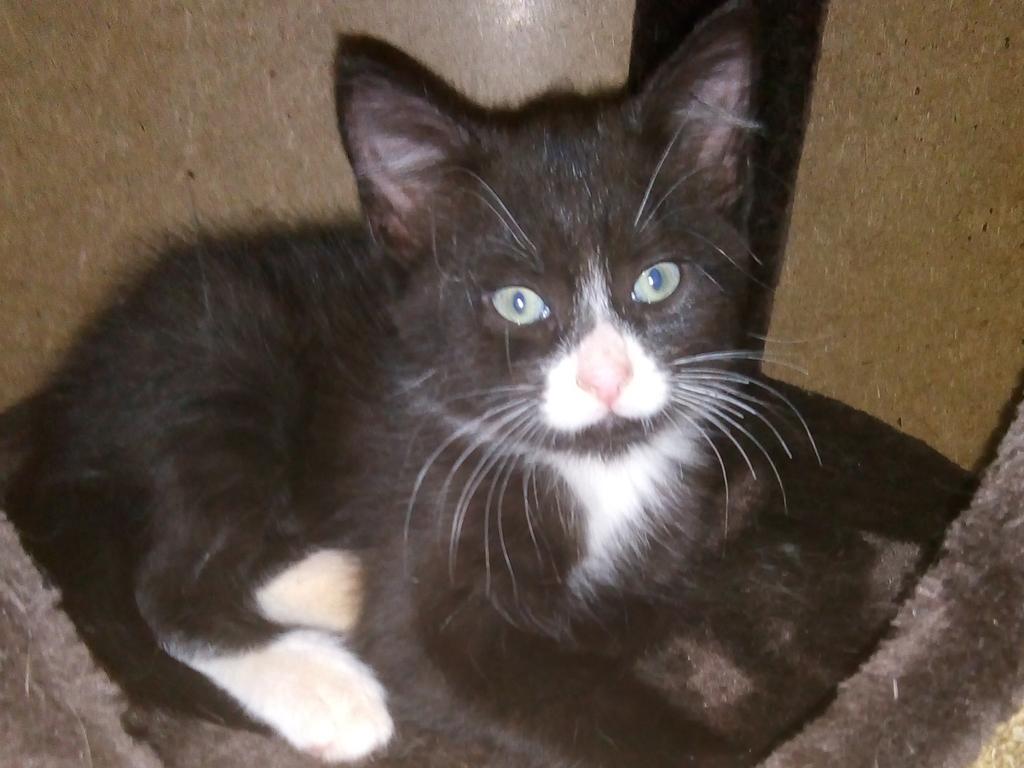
<point x="14" y="441"/>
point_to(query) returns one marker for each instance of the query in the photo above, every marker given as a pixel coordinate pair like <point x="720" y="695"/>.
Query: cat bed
<point x="931" y="694"/>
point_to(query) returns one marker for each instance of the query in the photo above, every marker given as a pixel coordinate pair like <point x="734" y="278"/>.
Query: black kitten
<point x="462" y="460"/>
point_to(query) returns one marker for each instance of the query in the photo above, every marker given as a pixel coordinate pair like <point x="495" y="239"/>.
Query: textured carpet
<point x="932" y="694"/>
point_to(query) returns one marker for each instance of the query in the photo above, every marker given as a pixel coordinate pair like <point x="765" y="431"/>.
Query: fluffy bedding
<point x="931" y="694"/>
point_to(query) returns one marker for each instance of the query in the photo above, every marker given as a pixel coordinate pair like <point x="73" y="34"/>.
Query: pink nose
<point x="603" y="368"/>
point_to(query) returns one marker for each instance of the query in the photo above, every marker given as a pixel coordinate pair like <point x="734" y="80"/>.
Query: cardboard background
<point x="905" y="261"/>
<point x="124" y="119"/>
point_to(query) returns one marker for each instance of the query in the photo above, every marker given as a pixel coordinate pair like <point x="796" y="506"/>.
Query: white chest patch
<point x="622" y="498"/>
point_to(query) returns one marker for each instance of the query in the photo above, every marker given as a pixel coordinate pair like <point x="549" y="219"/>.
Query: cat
<point x="460" y="466"/>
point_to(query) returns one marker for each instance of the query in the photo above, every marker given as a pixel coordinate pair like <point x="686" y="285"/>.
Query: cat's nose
<point x="603" y="368"/>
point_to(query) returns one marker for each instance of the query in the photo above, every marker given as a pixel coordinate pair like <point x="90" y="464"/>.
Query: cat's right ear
<point x="404" y="131"/>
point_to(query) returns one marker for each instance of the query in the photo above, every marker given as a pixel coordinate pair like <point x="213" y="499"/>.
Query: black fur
<point x="254" y="397"/>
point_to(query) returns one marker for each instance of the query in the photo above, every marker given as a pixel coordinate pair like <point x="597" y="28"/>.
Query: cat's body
<point x="466" y="466"/>
<point x="288" y="452"/>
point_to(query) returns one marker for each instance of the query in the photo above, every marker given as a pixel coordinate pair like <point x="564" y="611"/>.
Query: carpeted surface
<point x="57" y="709"/>
<point x="933" y="694"/>
<point x="954" y="653"/>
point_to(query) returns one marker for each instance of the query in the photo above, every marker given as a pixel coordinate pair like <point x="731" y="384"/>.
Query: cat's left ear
<point x="403" y="132"/>
<point x="696" y="111"/>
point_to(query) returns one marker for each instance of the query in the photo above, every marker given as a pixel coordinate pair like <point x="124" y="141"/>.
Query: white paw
<point x="318" y="696"/>
<point x="324" y="590"/>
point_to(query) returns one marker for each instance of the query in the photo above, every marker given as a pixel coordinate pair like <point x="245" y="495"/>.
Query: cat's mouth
<point x="612" y="434"/>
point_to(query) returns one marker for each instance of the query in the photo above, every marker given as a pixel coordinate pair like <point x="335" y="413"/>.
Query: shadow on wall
<point x="790" y="42"/>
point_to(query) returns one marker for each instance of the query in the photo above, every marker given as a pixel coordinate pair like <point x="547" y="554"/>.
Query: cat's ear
<point x="403" y="131"/>
<point x="696" y="111"/>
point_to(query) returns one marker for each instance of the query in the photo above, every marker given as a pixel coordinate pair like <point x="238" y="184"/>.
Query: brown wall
<point x="905" y="264"/>
<point x="904" y="271"/>
<point x="107" y="107"/>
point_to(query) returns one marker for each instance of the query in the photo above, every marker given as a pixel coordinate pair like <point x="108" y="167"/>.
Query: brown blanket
<point x="58" y="709"/>
<point x="933" y="693"/>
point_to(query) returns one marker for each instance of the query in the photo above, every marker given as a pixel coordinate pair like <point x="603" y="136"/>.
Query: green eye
<point x="656" y="283"/>
<point x="519" y="305"/>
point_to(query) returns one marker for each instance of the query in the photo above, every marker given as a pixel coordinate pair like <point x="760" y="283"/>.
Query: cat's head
<point x="563" y="263"/>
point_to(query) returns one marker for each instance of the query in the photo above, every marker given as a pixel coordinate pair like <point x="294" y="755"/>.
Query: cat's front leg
<point x="274" y="642"/>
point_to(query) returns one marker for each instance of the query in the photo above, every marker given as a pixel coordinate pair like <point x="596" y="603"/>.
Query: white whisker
<point x="421" y="476"/>
<point x="479" y="473"/>
<point x="506" y="471"/>
<point x="509" y="220"/>
<point x="500" y="390"/>
<point x="722" y="252"/>
<point x="740" y="378"/>
<point x="529" y="477"/>
<point x="661" y="200"/>
<point x="769" y="340"/>
<point x="737" y="354"/>
<point x="502" y="477"/>
<point x="654" y="175"/>
<point x="702" y="409"/>
<point x="735" y="398"/>
<point x="718" y="455"/>
<point x="710" y="277"/>
<point x="721" y="414"/>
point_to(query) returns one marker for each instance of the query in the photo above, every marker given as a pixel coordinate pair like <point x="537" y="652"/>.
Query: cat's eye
<point x="656" y="283"/>
<point x="519" y="305"/>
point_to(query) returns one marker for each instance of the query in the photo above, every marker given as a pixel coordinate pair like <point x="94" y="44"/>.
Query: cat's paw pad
<point x="313" y="692"/>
